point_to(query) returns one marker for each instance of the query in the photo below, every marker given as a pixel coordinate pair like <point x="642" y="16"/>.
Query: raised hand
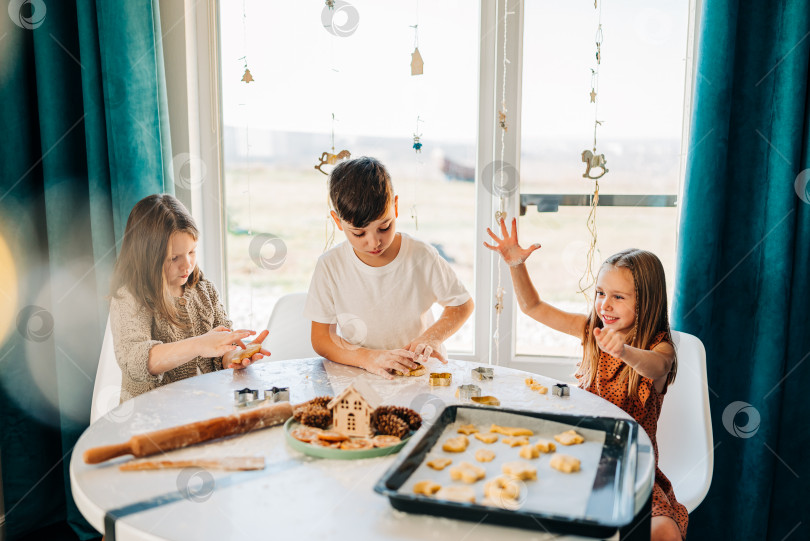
<point x="382" y="362"/>
<point x="508" y="246"/>
<point x="220" y="340"/>
<point x="230" y="359"/>
<point x="610" y="341"/>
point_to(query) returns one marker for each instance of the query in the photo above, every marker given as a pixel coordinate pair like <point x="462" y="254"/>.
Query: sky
<point x="303" y="73"/>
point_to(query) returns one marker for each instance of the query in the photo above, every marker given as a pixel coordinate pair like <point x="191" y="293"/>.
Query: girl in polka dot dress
<point x="628" y="354"/>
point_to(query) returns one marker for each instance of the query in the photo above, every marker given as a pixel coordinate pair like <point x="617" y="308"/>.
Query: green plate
<point x="335" y="454"/>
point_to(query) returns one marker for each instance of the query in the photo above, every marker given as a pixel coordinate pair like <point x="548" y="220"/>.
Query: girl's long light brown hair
<point x="649" y="285"/>
<point x="152" y="222"/>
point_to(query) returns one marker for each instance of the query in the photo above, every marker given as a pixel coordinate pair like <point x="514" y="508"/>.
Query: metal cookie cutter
<point x="245" y="397"/>
<point x="277" y="394"/>
<point x="483" y="373"/>
<point x="560" y="389"/>
<point x="440" y="379"/>
<point x="466" y="392"/>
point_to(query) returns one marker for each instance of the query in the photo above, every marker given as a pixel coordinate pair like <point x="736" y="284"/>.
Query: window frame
<point x="192" y="65"/>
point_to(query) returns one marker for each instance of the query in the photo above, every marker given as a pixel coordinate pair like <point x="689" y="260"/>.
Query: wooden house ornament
<point x="416" y="62"/>
<point x="351" y="409"/>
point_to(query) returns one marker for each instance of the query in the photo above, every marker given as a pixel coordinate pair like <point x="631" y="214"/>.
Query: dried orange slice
<point x="305" y="434"/>
<point x="323" y="443"/>
<point x="332" y="436"/>
<point x="356" y="444"/>
<point x="385" y="441"/>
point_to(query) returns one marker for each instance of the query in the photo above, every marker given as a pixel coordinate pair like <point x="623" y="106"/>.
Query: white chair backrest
<point x="107" y="387"/>
<point x="685" y="444"/>
<point x="290" y="332"/>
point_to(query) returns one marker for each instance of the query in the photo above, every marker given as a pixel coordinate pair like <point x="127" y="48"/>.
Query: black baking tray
<point x="611" y="504"/>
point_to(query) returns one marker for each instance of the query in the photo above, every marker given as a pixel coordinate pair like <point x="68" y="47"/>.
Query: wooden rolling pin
<point x="237" y="463"/>
<point x="159" y="441"/>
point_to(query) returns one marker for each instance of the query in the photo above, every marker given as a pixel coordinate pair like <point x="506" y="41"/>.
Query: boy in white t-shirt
<point x="379" y="286"/>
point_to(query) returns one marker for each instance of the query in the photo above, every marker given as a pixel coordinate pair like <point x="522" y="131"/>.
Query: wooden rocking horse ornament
<point x="593" y="161"/>
<point x="328" y="158"/>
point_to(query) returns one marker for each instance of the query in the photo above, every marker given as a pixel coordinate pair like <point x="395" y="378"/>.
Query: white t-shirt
<point x="382" y="307"/>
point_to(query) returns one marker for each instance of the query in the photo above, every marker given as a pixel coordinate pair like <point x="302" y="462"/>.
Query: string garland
<point x="594" y="163"/>
<point x="247" y="78"/>
<point x="331" y="158"/>
<point x="417" y="146"/>
<point x="417" y="68"/>
<point x="500" y="214"/>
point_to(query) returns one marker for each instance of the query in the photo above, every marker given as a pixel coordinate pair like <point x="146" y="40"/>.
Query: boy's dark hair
<point x="360" y="190"/>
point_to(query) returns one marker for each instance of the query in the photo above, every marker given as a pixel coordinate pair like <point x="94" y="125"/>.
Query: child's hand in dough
<point x="232" y="358"/>
<point x="220" y="340"/>
<point x="610" y="341"/>
<point x="424" y="348"/>
<point x="508" y="246"/>
<point x="382" y="362"/>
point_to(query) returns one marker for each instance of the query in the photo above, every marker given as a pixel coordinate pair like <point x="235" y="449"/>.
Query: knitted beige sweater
<point x="135" y="331"/>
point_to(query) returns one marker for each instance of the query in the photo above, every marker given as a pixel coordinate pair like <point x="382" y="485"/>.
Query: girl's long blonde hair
<point x="152" y="222"/>
<point x="649" y="284"/>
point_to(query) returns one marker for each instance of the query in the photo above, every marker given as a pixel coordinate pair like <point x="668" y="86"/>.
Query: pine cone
<point x="382" y="410"/>
<point x="390" y="425"/>
<point x="316" y="416"/>
<point x="321" y="401"/>
<point x="301" y="409"/>
<point x="408" y="415"/>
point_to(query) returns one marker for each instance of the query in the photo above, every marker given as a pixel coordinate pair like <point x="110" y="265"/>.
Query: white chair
<point x="107" y="387"/>
<point x="290" y="332"/>
<point x="685" y="444"/>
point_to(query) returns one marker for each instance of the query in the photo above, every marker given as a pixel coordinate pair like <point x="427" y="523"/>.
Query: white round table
<point x="295" y="496"/>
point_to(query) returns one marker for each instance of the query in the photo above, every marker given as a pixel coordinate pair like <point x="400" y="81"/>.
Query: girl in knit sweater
<point x="167" y="320"/>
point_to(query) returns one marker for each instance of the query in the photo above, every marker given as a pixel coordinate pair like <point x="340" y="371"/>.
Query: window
<point x="277" y="126"/>
<point x="640" y="104"/>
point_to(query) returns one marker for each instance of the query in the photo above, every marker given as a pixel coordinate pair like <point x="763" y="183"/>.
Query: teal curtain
<point x="84" y="126"/>
<point x="744" y="270"/>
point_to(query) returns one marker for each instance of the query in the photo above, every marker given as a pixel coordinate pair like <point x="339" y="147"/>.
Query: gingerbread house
<point x="351" y="409"/>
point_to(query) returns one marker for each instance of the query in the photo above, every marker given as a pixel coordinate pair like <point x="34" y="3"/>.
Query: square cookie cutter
<point x="561" y="390"/>
<point x="246" y="398"/>
<point x="440" y="379"/>
<point x="467" y="391"/>
<point x="483" y="373"/>
<point x="277" y="394"/>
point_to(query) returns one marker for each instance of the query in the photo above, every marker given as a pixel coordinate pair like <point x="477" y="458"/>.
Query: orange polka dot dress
<point x="645" y="409"/>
